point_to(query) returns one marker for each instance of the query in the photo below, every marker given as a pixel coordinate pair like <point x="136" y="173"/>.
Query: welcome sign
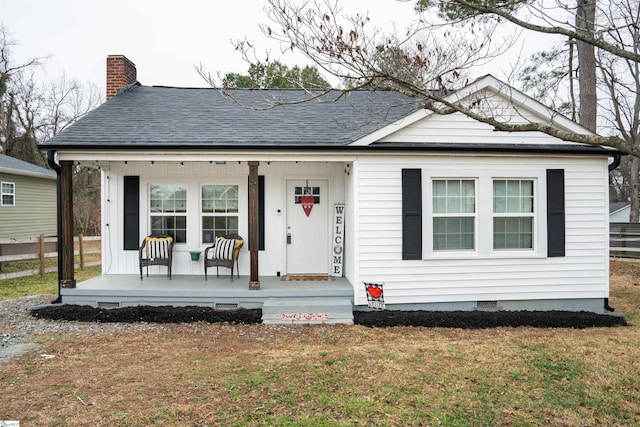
<point x="338" y="240"/>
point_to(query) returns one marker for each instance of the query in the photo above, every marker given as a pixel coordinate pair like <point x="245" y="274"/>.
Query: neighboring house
<point x="445" y="212"/>
<point x="619" y="211"/>
<point x="27" y="199"/>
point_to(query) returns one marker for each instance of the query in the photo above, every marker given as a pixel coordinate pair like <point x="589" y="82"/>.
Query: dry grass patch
<point x="36" y="285"/>
<point x="201" y="374"/>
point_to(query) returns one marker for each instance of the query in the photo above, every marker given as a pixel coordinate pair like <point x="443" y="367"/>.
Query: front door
<point x="307" y="227"/>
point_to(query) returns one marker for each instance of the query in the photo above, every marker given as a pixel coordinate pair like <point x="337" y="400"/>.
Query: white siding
<point x="192" y="175"/>
<point x="582" y="273"/>
<point x="458" y="128"/>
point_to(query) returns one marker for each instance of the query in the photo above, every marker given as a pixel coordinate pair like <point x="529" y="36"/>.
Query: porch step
<point x="308" y="310"/>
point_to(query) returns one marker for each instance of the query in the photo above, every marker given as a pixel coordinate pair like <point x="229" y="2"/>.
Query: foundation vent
<point x="108" y="304"/>
<point x="487" y="305"/>
<point x="226" y="306"/>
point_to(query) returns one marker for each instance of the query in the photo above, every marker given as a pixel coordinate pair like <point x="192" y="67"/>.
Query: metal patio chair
<point x="156" y="250"/>
<point x="223" y="253"/>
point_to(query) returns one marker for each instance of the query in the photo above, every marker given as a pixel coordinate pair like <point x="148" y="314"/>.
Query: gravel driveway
<point x="18" y="328"/>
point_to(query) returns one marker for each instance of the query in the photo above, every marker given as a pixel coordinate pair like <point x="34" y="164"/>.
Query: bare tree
<point x="7" y="72"/>
<point x="24" y="105"/>
<point x="551" y="75"/>
<point x="7" y="68"/>
<point x="437" y="54"/>
<point x="619" y="83"/>
<point x="33" y="110"/>
<point x="65" y="101"/>
<point x="543" y="17"/>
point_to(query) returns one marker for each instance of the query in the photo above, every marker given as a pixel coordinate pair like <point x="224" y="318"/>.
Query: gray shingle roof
<point x="12" y="165"/>
<point x="164" y="116"/>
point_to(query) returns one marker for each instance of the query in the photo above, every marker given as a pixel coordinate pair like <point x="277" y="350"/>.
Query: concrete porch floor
<point x="121" y="290"/>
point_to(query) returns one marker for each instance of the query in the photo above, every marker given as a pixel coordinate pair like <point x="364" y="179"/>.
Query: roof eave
<point x="27" y="173"/>
<point x="386" y="147"/>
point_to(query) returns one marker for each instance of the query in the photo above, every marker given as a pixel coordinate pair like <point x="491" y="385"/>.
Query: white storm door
<point x="307" y="227"/>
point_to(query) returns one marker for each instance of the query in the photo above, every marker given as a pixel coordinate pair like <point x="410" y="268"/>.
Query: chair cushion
<point x="239" y="243"/>
<point x="224" y="248"/>
<point x="158" y="247"/>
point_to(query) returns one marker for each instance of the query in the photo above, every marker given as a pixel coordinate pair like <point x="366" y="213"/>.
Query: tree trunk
<point x="585" y="21"/>
<point x="633" y="194"/>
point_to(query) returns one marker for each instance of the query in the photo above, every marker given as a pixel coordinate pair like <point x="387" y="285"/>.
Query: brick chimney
<point x="120" y="72"/>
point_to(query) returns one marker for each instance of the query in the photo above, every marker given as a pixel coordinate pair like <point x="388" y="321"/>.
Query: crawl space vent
<point x="227" y="306"/>
<point x="487" y="305"/>
<point x="108" y="304"/>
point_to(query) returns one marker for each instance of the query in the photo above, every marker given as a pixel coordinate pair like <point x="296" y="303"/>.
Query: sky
<point x="166" y="40"/>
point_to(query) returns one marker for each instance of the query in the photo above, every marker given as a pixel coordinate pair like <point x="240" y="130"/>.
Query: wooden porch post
<point x="254" y="282"/>
<point x="66" y="272"/>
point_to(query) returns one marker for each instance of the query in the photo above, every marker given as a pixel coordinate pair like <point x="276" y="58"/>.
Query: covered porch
<point x="296" y="241"/>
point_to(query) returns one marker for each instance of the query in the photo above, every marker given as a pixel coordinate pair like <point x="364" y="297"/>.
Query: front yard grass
<point x="260" y="375"/>
<point x="34" y="285"/>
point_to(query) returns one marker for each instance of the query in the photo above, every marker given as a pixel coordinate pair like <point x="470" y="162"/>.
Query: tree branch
<point x="486" y="8"/>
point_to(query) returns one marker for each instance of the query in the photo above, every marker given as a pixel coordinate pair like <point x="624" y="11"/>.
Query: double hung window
<point x="219" y="211"/>
<point x="484" y="215"/>
<point x="513" y="214"/>
<point x="8" y="194"/>
<point x="168" y="211"/>
<point x="454" y="214"/>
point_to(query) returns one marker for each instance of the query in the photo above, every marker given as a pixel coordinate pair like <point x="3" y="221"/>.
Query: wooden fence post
<point x="41" y="253"/>
<point x="81" y="251"/>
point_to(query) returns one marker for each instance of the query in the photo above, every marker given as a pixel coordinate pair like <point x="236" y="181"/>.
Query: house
<point x="27" y="199"/>
<point x="367" y="190"/>
<point x="619" y="211"/>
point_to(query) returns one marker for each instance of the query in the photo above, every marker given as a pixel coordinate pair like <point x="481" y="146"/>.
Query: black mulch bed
<point x="487" y="319"/>
<point x="85" y="313"/>
<point x="448" y="319"/>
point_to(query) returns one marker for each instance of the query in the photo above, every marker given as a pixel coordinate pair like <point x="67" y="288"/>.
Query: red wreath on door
<point x="307" y="204"/>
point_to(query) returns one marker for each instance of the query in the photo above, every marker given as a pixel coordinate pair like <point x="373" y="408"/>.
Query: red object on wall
<point x="374" y="291"/>
<point x="307" y="204"/>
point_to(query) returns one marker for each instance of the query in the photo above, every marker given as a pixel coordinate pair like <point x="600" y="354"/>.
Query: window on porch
<point x="168" y="211"/>
<point x="219" y="211"/>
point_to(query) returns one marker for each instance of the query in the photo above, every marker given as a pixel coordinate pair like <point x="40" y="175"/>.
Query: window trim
<point x="473" y="215"/>
<point x="484" y="214"/>
<point x="201" y="213"/>
<point x="151" y="214"/>
<point x="192" y="183"/>
<point x="533" y="214"/>
<point x="12" y="194"/>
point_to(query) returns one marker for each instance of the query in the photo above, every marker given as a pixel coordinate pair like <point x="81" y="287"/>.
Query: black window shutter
<point x="260" y="212"/>
<point x="555" y="213"/>
<point x="411" y="214"/>
<point x="131" y="213"/>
